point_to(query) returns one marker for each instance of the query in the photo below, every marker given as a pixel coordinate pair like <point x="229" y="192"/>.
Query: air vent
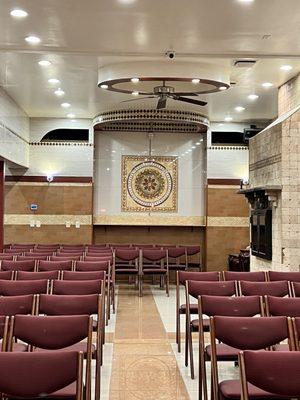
<point x="244" y="63"/>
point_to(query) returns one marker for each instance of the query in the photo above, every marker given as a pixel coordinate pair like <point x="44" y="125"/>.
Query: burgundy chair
<point x="12" y="305"/>
<point x="143" y="246"/>
<point x="258" y="276"/>
<point x="6" y="275"/>
<point x="32" y="257"/>
<point x="4" y="256"/>
<point x="191" y="252"/>
<point x="47" y="246"/>
<point x="196" y="289"/>
<point x="69" y="258"/>
<point x="73" y="247"/>
<point x="282" y="306"/>
<point x="99" y="254"/>
<point x="48" y="333"/>
<point x="77" y="287"/>
<point x="278" y="288"/>
<point x="245" y="333"/>
<point x="37" y="253"/>
<point x="19" y="288"/>
<point x="31" y="276"/>
<point x="295" y="289"/>
<point x="181" y="278"/>
<point x="119" y="246"/>
<point x="55" y="265"/>
<point x="177" y="258"/>
<point x="15" y="252"/>
<point x="64" y="368"/>
<point x="284" y="276"/>
<point x="22" y="246"/>
<point x="273" y="374"/>
<point x="103" y="265"/>
<point x="154" y="262"/>
<point x="127" y="263"/>
<point x="96" y="247"/>
<point x="78" y="305"/>
<point x="211" y="306"/>
<point x="83" y="276"/>
<point x="28" y="265"/>
<point x="4" y="325"/>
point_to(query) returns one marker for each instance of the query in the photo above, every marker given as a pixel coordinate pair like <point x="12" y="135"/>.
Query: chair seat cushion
<point x="75" y="347"/>
<point x="231" y="389"/>
<point x="195" y="325"/>
<point x="224" y="352"/>
<point x="67" y="392"/>
<point x="20" y="347"/>
<point x="193" y="309"/>
<point x="153" y="271"/>
<point x="129" y="271"/>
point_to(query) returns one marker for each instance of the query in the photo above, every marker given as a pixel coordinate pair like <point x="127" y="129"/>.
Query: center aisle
<point x="143" y="366"/>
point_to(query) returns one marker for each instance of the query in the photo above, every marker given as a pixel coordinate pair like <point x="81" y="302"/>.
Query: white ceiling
<point x="79" y="36"/>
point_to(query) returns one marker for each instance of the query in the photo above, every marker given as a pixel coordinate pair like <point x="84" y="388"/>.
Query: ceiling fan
<point x="163" y="93"/>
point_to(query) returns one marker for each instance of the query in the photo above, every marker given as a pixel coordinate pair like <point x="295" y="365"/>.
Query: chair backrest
<point x="278" y="288"/>
<point x="72" y="247"/>
<point x="19" y="368"/>
<point x="143" y="246"/>
<point x="99" y="254"/>
<point x="230" y="306"/>
<point x="285" y="306"/>
<point x="97" y="247"/>
<point x="176" y="252"/>
<point x="99" y="258"/>
<point x="6" y="275"/>
<point x="154" y="254"/>
<point x="50" y="332"/>
<point x="192" y="250"/>
<point x="250" y="333"/>
<point x="275" y="372"/>
<point x="60" y="258"/>
<point x="22" y="246"/>
<point x="284" y="276"/>
<point x="127" y="254"/>
<point x="55" y="265"/>
<point x="258" y="276"/>
<point x="92" y="266"/>
<point x="32" y="257"/>
<point x="296" y="289"/>
<point x="19" y="288"/>
<point x="77" y="287"/>
<point x="12" y="305"/>
<point x="83" y="276"/>
<point x="69" y="304"/>
<point x="31" y="276"/>
<point x="4" y="256"/>
<point x="38" y="253"/>
<point x="200" y="288"/>
<point x="13" y="251"/>
<point x="47" y="246"/>
<point x="28" y="265"/>
<point x="69" y="254"/>
<point x="184" y="276"/>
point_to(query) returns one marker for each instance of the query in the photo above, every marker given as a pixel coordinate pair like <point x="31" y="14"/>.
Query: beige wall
<point x="227" y="224"/>
<point x="58" y="203"/>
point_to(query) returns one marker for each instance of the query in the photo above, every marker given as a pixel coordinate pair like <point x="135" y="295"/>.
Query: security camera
<point x="170" y="54"/>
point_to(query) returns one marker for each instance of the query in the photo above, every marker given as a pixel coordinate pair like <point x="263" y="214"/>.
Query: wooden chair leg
<point x="186" y="345"/>
<point x="167" y="285"/>
<point x="190" y="337"/>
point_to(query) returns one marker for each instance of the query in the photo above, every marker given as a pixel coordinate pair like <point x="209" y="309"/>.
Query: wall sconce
<point x="50" y="178"/>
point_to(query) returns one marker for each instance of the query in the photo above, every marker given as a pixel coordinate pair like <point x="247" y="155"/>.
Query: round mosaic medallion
<point x="149" y="184"/>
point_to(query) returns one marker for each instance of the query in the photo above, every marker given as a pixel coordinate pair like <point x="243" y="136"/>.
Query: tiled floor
<point x="140" y="357"/>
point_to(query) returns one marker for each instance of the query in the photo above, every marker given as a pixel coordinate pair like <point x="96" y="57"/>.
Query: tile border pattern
<point x="265" y="162"/>
<point x="25" y="219"/>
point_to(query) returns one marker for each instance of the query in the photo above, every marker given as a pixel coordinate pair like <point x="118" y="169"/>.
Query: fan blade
<point x="162" y="103"/>
<point x="186" y="94"/>
<point x="138" y="98"/>
<point x="187" y="100"/>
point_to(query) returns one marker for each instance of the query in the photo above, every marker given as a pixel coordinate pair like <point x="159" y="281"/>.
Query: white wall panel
<point x="227" y="162"/>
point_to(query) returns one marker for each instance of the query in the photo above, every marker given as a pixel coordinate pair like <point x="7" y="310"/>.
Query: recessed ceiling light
<point x="44" y="63"/>
<point x="135" y="93"/>
<point x="246" y="1"/>
<point x="135" y="80"/>
<point x="53" y="81"/>
<point x="228" y="119"/>
<point x="195" y="81"/>
<point x="32" y="39"/>
<point x="104" y="86"/>
<point x="253" y="97"/>
<point x="286" y="67"/>
<point x="59" y="92"/>
<point x="18" y="13"/>
<point x="198" y="144"/>
<point x="267" y="84"/>
<point x="65" y="105"/>
<point x="222" y="87"/>
<point x="193" y="147"/>
<point x="239" y="108"/>
<point x="71" y="115"/>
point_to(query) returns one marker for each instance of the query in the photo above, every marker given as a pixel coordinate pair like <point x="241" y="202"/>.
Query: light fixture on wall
<point x="49" y="178"/>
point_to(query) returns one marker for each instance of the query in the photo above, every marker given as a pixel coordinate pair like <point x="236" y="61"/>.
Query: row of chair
<point x="66" y="320"/>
